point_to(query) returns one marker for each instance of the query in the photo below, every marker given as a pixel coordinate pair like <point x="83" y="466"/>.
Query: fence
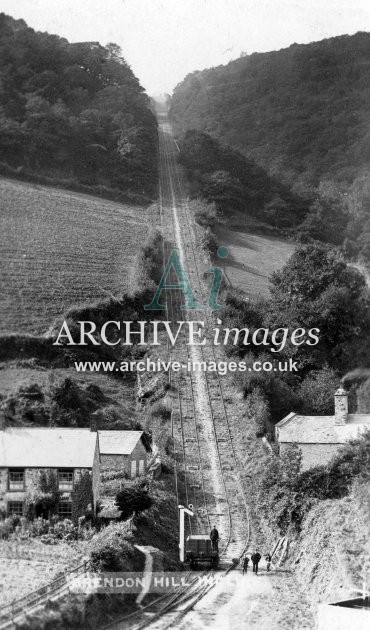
<point x="40" y="596"/>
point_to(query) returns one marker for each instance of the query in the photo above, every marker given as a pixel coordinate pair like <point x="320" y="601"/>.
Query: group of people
<point x="256" y="558"/>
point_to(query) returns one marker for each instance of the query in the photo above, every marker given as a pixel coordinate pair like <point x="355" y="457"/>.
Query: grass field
<point x="252" y="259"/>
<point x="59" y="248"/>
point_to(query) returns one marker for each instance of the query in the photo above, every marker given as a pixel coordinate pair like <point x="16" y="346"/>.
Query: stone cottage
<point x="320" y="437"/>
<point x="123" y="451"/>
<point x="64" y="454"/>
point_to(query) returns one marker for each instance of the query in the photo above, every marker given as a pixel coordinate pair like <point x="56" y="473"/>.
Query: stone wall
<point x="139" y="453"/>
<point x="115" y="463"/>
<point x="123" y="462"/>
<point x="313" y="454"/>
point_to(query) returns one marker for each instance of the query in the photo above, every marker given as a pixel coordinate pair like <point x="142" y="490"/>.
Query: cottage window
<point x="16" y="479"/>
<point x="65" y="480"/>
<point x="141" y="467"/>
<point x="15" y="508"/>
<point x="65" y="509"/>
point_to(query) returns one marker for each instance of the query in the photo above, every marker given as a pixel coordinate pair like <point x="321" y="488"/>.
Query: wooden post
<point x="182" y="530"/>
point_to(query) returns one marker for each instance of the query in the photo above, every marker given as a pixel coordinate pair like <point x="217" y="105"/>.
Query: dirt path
<point x="248" y="602"/>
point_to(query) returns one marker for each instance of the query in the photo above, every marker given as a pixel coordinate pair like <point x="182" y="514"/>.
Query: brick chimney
<point x="95" y="421"/>
<point x="341" y="406"/>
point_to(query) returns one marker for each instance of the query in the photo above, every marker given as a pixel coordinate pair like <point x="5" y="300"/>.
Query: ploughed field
<point x="60" y="248"/>
<point x="252" y="259"/>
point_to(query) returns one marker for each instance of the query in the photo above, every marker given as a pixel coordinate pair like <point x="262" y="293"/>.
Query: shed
<point x="123" y="451"/>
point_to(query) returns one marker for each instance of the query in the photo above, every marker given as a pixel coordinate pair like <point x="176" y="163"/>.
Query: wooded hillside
<point x="302" y="114"/>
<point x="74" y="113"/>
<point x="298" y="111"/>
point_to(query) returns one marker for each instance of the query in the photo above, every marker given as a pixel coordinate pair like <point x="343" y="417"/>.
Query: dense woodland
<point x="237" y="184"/>
<point x="74" y="113"/>
<point x="302" y="114"/>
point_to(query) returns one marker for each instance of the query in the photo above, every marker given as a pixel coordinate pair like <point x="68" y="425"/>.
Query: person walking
<point x="268" y="562"/>
<point x="256" y="557"/>
<point x="245" y="564"/>
<point x="214" y="538"/>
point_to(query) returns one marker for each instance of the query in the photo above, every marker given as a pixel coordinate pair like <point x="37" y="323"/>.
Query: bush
<point x="209" y="242"/>
<point x="259" y="410"/>
<point x="159" y="410"/>
<point x="8" y="525"/>
<point x="150" y="261"/>
<point x="284" y="494"/>
<point x="112" y="550"/>
<point x="39" y="527"/>
<point x="205" y="214"/>
<point x="65" y="530"/>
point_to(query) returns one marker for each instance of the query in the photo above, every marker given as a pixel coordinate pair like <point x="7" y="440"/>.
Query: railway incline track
<point x="202" y="436"/>
<point x="207" y="471"/>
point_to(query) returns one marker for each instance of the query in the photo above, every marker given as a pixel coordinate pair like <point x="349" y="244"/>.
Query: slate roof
<point x="321" y="429"/>
<point x="26" y="447"/>
<point x="118" y="442"/>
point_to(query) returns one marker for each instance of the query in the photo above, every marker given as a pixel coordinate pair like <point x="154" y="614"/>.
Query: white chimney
<point x="341" y="406"/>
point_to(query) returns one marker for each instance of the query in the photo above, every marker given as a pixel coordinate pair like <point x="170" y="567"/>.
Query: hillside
<point x="236" y="184"/>
<point x="74" y="114"/>
<point x="58" y="249"/>
<point x="299" y="112"/>
<point x="302" y="115"/>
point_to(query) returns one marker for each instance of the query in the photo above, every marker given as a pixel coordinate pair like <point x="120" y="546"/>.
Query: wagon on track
<point x="198" y="550"/>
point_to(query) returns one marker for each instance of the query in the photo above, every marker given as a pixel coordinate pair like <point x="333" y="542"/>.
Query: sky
<point x="164" y="40"/>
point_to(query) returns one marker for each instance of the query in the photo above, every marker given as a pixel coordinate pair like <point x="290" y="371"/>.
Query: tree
<point x="133" y="498"/>
<point x="317" y="390"/>
<point x="316" y="289"/>
<point x="326" y="221"/>
<point x="363" y="397"/>
<point x="310" y="271"/>
<point x="277" y="389"/>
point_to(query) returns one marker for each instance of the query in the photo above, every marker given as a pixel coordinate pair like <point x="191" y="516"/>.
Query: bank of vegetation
<point x="313" y="508"/>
